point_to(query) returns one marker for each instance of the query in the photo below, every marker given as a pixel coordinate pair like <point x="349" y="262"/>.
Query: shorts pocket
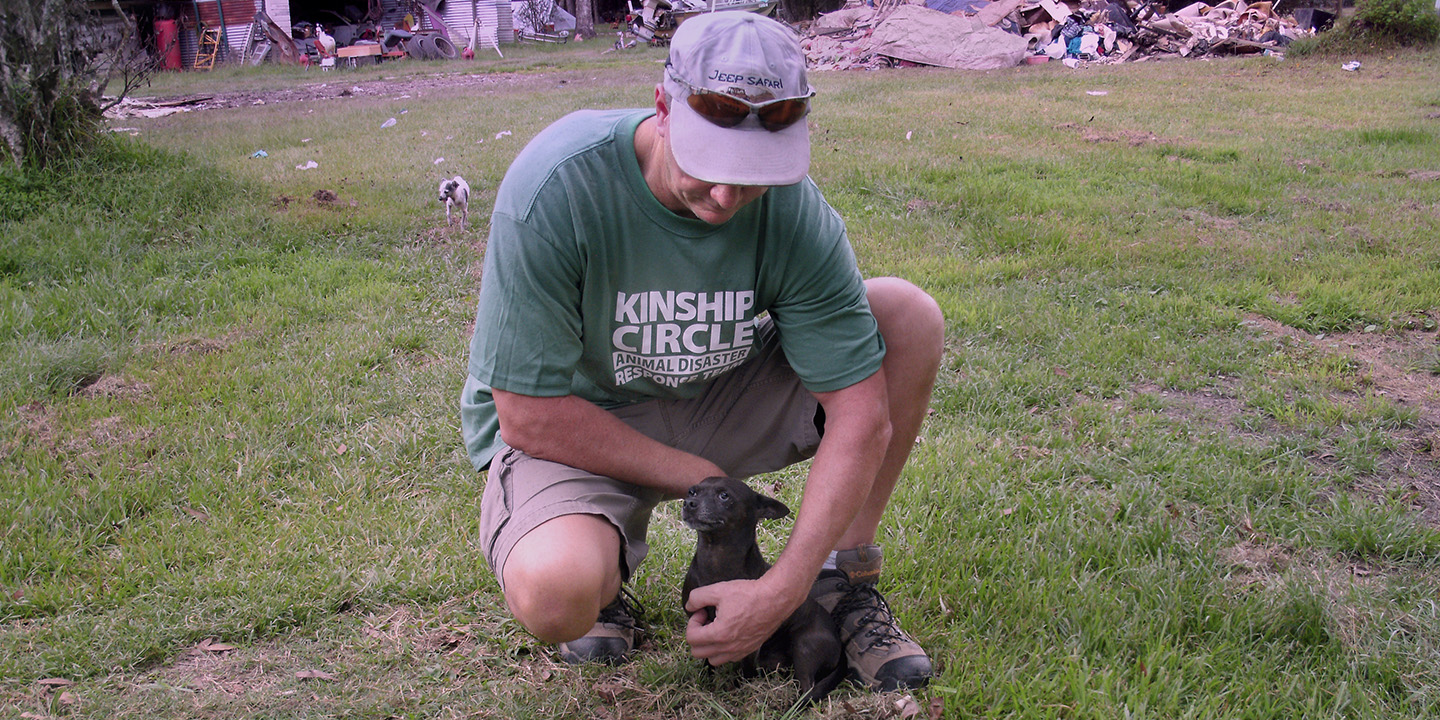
<point x="497" y="502"/>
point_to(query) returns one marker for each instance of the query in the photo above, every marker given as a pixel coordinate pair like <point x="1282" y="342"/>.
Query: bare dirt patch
<point x="337" y="87"/>
<point x="115" y="386"/>
<point x="201" y="345"/>
<point x="1133" y="138"/>
<point x="103" y="434"/>
<point x="1216" y="407"/>
<point x="40" y="425"/>
<point x="1388" y="359"/>
<point x="227" y="672"/>
<point x="1255" y="562"/>
<point x="1394" y="365"/>
<point x="37" y="421"/>
<point x="1334" y="206"/>
<point x="1397" y="366"/>
<point x="448" y="656"/>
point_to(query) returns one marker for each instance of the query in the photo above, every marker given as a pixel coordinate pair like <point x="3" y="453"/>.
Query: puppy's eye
<point x="724" y="495"/>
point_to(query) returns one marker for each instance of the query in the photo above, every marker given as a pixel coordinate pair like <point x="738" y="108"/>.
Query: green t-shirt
<point x="591" y="287"/>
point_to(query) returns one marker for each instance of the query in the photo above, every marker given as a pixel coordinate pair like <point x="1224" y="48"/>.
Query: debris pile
<point x="988" y="34"/>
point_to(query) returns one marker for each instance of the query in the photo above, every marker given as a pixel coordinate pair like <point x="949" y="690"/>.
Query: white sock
<point x="829" y="562"/>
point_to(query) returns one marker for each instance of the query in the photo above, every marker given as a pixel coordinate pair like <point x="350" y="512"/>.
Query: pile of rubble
<point x="989" y="34"/>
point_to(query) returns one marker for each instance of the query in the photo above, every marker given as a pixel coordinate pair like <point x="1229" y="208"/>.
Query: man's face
<point x="715" y="204"/>
<point x="690" y="196"/>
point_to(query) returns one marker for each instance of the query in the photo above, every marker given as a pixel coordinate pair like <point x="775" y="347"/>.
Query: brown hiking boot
<point x="880" y="654"/>
<point x="613" y="637"/>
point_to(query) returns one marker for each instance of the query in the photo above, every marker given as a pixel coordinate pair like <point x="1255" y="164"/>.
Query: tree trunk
<point x="55" y="62"/>
<point x="585" y="18"/>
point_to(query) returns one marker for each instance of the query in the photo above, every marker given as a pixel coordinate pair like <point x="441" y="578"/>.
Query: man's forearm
<point x="575" y="432"/>
<point x="857" y="431"/>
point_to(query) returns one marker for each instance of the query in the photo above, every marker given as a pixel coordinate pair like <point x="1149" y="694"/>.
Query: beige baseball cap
<point x="722" y="57"/>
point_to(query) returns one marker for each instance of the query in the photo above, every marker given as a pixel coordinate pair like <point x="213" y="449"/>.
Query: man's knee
<point x="908" y="317"/>
<point x="559" y="576"/>
<point x="553" y="606"/>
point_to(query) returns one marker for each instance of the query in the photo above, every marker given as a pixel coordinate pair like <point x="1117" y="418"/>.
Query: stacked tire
<point x="431" y="47"/>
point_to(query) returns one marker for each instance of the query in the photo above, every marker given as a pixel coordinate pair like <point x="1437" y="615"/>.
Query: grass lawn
<point x="1182" y="460"/>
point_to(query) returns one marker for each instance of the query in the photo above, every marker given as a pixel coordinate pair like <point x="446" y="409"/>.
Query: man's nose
<point x="727" y="196"/>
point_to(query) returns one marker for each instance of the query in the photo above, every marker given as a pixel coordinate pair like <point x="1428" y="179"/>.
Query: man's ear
<point x="662" y="111"/>
<point x="770" y="508"/>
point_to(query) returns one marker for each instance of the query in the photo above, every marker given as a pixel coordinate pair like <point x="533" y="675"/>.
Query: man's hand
<point x="747" y="613"/>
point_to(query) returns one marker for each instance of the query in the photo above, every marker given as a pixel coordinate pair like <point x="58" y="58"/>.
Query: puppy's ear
<point x="770" y="508"/>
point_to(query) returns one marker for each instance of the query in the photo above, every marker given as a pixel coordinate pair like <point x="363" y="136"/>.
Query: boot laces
<point x="623" y="611"/>
<point x="875" y="618"/>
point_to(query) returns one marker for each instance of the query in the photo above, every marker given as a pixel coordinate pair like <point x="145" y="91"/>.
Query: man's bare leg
<point x="561" y="574"/>
<point x="882" y="655"/>
<point x="914" y="331"/>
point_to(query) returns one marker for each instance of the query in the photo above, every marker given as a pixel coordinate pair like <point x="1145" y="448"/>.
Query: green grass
<point x="1181" y="462"/>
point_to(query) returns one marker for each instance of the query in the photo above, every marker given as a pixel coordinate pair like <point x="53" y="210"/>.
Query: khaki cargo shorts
<point x="755" y="419"/>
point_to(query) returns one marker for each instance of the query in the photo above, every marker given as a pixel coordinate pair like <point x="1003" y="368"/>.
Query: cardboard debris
<point x="998" y="10"/>
<point x="989" y="34"/>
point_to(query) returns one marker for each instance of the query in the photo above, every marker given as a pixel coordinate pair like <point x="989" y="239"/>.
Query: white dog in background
<point x="456" y="193"/>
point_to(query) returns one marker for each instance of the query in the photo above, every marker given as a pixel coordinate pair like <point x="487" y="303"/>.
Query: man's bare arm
<point x="575" y="432"/>
<point x="857" y="432"/>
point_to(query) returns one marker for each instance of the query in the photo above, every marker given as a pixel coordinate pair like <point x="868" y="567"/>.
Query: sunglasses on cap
<point x="727" y="110"/>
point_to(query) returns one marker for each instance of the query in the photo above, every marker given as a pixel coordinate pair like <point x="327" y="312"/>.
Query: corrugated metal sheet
<point x="234" y="11"/>
<point x="188" y="45"/>
<point x="458" y="17"/>
<point x="237" y="13"/>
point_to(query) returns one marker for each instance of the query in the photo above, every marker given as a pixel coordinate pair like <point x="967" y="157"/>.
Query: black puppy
<point x="724" y="511"/>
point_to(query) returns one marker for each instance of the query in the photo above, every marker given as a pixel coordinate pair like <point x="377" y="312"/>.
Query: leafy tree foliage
<point x="1411" y="21"/>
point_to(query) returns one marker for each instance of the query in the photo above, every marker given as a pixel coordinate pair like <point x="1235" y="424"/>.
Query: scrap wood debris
<point x="129" y="107"/>
<point x="988" y="34"/>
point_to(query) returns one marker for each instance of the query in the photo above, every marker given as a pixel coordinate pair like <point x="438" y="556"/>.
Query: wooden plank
<point x="358" y="51"/>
